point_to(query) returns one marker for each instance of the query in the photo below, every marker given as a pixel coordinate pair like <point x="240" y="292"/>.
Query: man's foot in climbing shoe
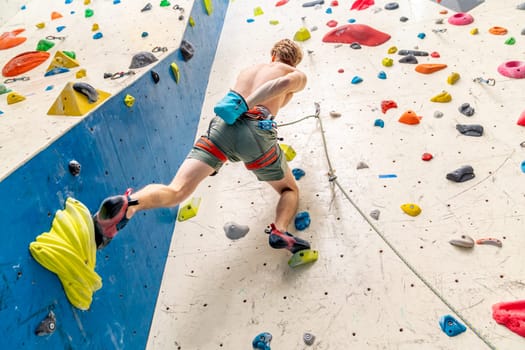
<point x="111" y="217"/>
<point x="279" y="240"/>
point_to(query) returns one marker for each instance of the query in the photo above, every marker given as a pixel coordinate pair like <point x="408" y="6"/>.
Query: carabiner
<point x="52" y="37"/>
<point x="159" y="49"/>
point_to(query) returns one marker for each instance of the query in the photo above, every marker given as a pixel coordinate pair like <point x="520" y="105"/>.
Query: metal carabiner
<point x="12" y="80"/>
<point x="159" y="49"/>
<point x="52" y="37"/>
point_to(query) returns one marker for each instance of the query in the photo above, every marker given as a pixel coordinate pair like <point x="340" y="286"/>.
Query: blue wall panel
<point x="118" y="147"/>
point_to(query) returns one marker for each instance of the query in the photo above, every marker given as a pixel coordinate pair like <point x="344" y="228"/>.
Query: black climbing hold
<point x="187" y="50"/>
<point x="308" y="338"/>
<point x="74" y="167"/>
<point x="86" y="90"/>
<point x="155" y="76"/>
<point x="391" y="6"/>
<point x="47" y="326"/>
<point x="355" y="46"/>
<point x="147" y="7"/>
<point x="412" y="52"/>
<point x="403" y="19"/>
<point x="142" y="59"/>
<point x="466" y="109"/>
<point x="108" y="75"/>
<point x="408" y="59"/>
<point x="313" y="3"/>
<point x="470" y="129"/>
<point x="462" y="174"/>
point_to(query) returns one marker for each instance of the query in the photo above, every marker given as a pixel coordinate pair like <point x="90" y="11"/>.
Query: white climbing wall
<point x="219" y="294"/>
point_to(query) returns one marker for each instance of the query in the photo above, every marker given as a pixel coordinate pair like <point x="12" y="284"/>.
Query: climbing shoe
<point x="279" y="240"/>
<point x="111" y="217"/>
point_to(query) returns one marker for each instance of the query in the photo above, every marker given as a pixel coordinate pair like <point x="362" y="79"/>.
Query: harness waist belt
<point x="258" y="112"/>
<point x="266" y="159"/>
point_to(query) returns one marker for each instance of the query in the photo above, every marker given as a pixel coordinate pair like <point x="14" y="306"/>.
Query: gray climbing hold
<point x="313" y="28"/>
<point x="408" y="59"/>
<point x="146" y="8"/>
<point x="521" y="6"/>
<point x="412" y="52"/>
<point x="475" y="130"/>
<point x="438" y="114"/>
<point x="355" y="46"/>
<point x="523" y="31"/>
<point x="86" y="90"/>
<point x="142" y="59"/>
<point x="235" y="231"/>
<point x="462" y="174"/>
<point x="313" y="3"/>
<point x="466" y="109"/>
<point x="403" y="19"/>
<point x="187" y="50"/>
<point x="308" y="338"/>
<point x="374" y="214"/>
<point x="361" y="165"/>
<point x="391" y="6"/>
<point x="439" y="21"/>
<point x="463" y="242"/>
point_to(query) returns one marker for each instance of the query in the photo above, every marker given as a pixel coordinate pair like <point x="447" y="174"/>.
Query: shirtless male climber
<point x="236" y="133"/>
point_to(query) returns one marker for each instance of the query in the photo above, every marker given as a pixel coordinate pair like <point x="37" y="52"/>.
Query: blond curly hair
<point x="287" y="52"/>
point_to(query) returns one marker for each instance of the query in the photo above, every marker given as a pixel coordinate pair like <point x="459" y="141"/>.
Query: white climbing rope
<point x="333" y="179"/>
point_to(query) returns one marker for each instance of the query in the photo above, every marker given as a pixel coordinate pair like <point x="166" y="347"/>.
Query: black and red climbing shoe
<point x="111" y="217"/>
<point x="279" y="240"/>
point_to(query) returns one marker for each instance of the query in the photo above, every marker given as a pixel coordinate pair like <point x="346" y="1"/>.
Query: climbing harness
<point x="12" y="80"/>
<point x="266" y="159"/>
<point x="489" y="81"/>
<point x="332" y="178"/>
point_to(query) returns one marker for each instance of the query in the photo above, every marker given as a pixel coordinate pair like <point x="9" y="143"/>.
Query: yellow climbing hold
<point x="208" y="5"/>
<point x="387" y="62"/>
<point x="474" y="31"/>
<point x="69" y="251"/>
<point x="411" y="209"/>
<point x="289" y="152"/>
<point x="40" y="25"/>
<point x="14" y="97"/>
<point x="81" y="73"/>
<point x="73" y="103"/>
<point x="442" y="97"/>
<point x="191" y="21"/>
<point x="274" y="22"/>
<point x="453" y="78"/>
<point x="302" y="34"/>
<point x="189" y="209"/>
<point x="176" y="72"/>
<point x="61" y="60"/>
<point x="87" y="2"/>
<point x="129" y="100"/>
<point x="94" y="27"/>
<point x="258" y="11"/>
<point x="392" y="49"/>
<point x="303" y="257"/>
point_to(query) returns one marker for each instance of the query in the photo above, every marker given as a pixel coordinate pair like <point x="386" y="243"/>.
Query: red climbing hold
<point x="511" y="314"/>
<point x="10" y="39"/>
<point x="340" y="70"/>
<point x="387" y="104"/>
<point x="521" y="120"/>
<point x="361" y="4"/>
<point x="356" y="33"/>
<point x="426" y="157"/>
<point x="334" y="3"/>
<point x="331" y="23"/>
<point x="24" y="62"/>
<point x="281" y="2"/>
<point x="435" y="54"/>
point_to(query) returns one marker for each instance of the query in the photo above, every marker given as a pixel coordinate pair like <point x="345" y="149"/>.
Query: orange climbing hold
<point x="409" y="117"/>
<point x="56" y="15"/>
<point x="428" y="68"/>
<point x="498" y="31"/>
<point x="24" y="62"/>
<point x="10" y="39"/>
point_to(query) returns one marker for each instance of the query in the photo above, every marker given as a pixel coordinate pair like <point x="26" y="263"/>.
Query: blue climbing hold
<point x="1" y="112"/>
<point x="144" y="34"/>
<point x="298" y="173"/>
<point x="523" y="166"/>
<point x="351" y="20"/>
<point x="56" y="70"/>
<point x="329" y="10"/>
<point x="356" y="80"/>
<point x="250" y="20"/>
<point x="451" y="326"/>
<point x="49" y="87"/>
<point x="116" y="2"/>
<point x="60" y="28"/>
<point x="262" y="341"/>
<point x="387" y="176"/>
<point x="23" y="7"/>
<point x="97" y="35"/>
<point x="69" y="2"/>
<point x="421" y="35"/>
<point x="302" y="220"/>
<point x="381" y="75"/>
<point x="379" y="122"/>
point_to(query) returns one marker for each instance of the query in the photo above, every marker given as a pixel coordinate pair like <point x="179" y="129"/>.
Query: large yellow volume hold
<point x="69" y="251"/>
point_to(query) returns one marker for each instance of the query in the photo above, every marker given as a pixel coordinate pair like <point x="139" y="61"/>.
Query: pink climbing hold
<point x="331" y="23"/>
<point x="512" y="69"/>
<point x="511" y="314"/>
<point x="460" y="19"/>
<point x="356" y="33"/>
<point x="435" y="54"/>
<point x="521" y="120"/>
<point x="281" y="2"/>
<point x="361" y="4"/>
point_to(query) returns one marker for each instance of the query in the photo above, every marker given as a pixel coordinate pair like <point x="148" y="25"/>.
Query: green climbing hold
<point x="510" y="41"/>
<point x="44" y="45"/>
<point x="70" y="54"/>
<point x="4" y="89"/>
<point x="165" y="3"/>
<point x="208" y="5"/>
<point x="88" y="13"/>
<point x="303" y="257"/>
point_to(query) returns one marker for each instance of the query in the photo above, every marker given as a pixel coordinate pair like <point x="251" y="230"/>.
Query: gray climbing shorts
<point x="242" y="141"/>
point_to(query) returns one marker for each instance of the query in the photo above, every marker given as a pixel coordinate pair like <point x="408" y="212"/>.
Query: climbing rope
<point x="332" y="178"/>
